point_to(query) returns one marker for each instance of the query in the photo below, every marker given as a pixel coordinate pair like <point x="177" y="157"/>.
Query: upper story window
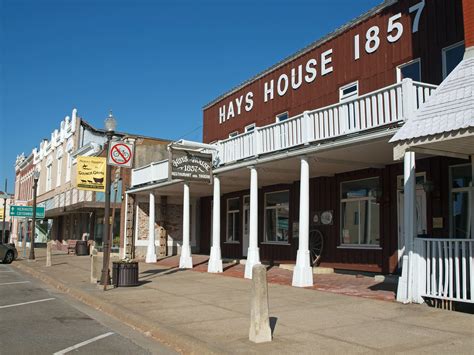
<point x="411" y="69"/>
<point x="451" y="57"/>
<point x="233" y="134"/>
<point x="360" y="212"/>
<point x="233" y="218"/>
<point x="277" y="214"/>
<point x="59" y="163"/>
<point x="250" y="127"/>
<point x="49" y="177"/>
<point x="282" y="117"/>
<point x="68" y="167"/>
<point x="349" y="91"/>
<point x="461" y="191"/>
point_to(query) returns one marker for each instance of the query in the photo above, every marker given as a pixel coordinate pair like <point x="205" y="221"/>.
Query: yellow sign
<point x="1" y="214"/>
<point x="91" y="173"/>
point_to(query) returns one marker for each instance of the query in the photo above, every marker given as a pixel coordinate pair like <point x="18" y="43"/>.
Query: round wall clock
<point x="326" y="217"/>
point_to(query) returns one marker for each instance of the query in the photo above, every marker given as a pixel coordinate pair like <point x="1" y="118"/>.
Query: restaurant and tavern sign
<point x="190" y="166"/>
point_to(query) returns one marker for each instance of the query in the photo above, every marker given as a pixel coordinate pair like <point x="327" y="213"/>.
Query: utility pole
<point x="33" y="223"/>
<point x="5" y="196"/>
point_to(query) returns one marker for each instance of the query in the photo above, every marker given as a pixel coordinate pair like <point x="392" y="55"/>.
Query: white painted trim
<point x="265" y="216"/>
<point x="342" y="97"/>
<point x="250" y="127"/>
<point x="443" y="56"/>
<point x="277" y="117"/>
<point x="399" y="72"/>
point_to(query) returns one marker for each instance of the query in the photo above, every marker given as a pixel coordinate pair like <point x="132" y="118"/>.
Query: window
<point x="460" y="197"/>
<point x="59" y="170"/>
<point x="233" y="134"/>
<point x="277" y="212"/>
<point x="349" y="91"/>
<point x="233" y="218"/>
<point x="250" y="127"/>
<point x="282" y="117"/>
<point x="452" y="56"/>
<point x="48" y="177"/>
<point x="410" y="70"/>
<point x="68" y="167"/>
<point x="360" y="210"/>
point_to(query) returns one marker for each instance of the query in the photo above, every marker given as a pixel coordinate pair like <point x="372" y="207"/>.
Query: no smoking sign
<point x="120" y="154"/>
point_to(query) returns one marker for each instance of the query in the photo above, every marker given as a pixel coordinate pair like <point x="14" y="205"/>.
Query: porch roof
<point x="447" y="114"/>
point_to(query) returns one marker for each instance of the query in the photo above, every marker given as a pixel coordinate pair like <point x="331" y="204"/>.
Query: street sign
<point x="120" y="154"/>
<point x="26" y="212"/>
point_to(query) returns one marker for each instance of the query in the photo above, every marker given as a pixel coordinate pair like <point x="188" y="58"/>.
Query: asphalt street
<point x="35" y="319"/>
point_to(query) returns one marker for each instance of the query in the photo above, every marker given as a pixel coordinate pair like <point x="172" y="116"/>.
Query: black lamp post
<point x="110" y="125"/>
<point x="5" y="196"/>
<point x="36" y="175"/>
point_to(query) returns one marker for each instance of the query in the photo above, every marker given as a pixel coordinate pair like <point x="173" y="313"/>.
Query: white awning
<point x="444" y="124"/>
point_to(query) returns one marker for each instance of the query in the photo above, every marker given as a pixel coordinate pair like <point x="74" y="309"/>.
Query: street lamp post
<point x="36" y="174"/>
<point x="110" y="126"/>
<point x="4" y="195"/>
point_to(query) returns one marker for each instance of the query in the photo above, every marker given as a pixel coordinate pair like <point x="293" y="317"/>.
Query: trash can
<point x="125" y="274"/>
<point x="81" y="248"/>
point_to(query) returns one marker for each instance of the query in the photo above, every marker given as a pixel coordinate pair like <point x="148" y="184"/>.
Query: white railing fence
<point x="156" y="171"/>
<point x="445" y="269"/>
<point x="387" y="106"/>
<point x="382" y="107"/>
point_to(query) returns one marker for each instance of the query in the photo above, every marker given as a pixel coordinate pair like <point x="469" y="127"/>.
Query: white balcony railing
<point x="446" y="268"/>
<point x="386" y="106"/>
<point x="157" y="171"/>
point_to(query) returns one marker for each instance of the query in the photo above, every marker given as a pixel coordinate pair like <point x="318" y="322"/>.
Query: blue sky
<point x="154" y="63"/>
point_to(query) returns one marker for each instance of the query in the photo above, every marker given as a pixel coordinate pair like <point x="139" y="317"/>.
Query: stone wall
<point x="171" y="220"/>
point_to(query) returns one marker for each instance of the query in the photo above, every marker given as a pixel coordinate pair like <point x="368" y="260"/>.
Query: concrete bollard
<point x="49" y="253"/>
<point x="260" y="331"/>
<point x="96" y="266"/>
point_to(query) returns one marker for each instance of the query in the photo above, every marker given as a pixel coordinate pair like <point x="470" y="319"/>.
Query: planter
<point x="81" y="248"/>
<point x="124" y="274"/>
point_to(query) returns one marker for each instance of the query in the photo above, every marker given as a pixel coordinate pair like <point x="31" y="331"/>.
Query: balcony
<point x="389" y="106"/>
<point x="154" y="172"/>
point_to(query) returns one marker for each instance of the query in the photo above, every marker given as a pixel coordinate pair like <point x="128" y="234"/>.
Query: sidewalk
<point x="197" y="312"/>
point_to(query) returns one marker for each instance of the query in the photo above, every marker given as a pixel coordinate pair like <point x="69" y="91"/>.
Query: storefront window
<point x="461" y="190"/>
<point x="360" y="212"/>
<point x="277" y="212"/>
<point x="233" y="217"/>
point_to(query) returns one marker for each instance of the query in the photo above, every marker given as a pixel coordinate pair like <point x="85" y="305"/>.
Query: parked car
<point x="8" y="253"/>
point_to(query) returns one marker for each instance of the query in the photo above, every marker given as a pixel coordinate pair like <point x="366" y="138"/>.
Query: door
<point x="420" y="218"/>
<point x="246" y="225"/>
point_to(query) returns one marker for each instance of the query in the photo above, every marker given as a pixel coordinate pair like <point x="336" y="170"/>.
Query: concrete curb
<point x="174" y="339"/>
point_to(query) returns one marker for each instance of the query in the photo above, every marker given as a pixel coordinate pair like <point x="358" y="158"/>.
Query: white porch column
<point x="303" y="273"/>
<point x="185" y="261"/>
<point x="215" y="260"/>
<point x="253" y="257"/>
<point x="409" y="203"/>
<point x="150" y="250"/>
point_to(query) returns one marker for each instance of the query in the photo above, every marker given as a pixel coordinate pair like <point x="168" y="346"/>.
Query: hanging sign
<point x="190" y="166"/>
<point x="1" y="213"/>
<point x="91" y="173"/>
<point x="120" y="154"/>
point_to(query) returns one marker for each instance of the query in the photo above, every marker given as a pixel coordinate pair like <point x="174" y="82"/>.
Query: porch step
<point x="317" y="270"/>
